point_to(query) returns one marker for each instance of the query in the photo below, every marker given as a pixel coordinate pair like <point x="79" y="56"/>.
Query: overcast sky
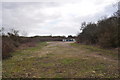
<point x="54" y="18"/>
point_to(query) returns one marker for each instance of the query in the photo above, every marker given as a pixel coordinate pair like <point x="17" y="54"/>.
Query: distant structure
<point x="71" y="39"/>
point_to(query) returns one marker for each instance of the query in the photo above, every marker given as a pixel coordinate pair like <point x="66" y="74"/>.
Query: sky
<point x="57" y="18"/>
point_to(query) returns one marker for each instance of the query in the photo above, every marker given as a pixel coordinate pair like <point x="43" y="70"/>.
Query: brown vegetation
<point x="11" y="41"/>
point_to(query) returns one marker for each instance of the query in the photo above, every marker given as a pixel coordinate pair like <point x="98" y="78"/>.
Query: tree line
<point x="104" y="33"/>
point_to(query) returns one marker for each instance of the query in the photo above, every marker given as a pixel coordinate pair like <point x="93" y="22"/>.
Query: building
<point x="70" y="39"/>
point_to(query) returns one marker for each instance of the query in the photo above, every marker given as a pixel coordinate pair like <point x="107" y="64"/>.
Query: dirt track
<point x="61" y="60"/>
<point x="53" y="46"/>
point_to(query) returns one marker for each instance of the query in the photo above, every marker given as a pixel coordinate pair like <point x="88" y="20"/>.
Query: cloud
<point x="0" y="14"/>
<point x="56" y="18"/>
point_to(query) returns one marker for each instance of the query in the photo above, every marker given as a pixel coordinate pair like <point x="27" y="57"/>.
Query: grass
<point x="20" y="60"/>
<point x="100" y="51"/>
<point x="68" y="60"/>
<point x="71" y="61"/>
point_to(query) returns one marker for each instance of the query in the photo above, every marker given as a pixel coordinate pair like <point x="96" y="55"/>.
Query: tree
<point x="70" y="36"/>
<point x="103" y="33"/>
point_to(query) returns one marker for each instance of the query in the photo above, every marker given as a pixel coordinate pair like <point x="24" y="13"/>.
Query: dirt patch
<point x="59" y="60"/>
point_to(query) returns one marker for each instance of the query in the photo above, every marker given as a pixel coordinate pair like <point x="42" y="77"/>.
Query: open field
<point x="61" y="60"/>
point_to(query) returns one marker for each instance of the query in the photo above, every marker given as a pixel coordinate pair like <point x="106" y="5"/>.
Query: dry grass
<point x="61" y="60"/>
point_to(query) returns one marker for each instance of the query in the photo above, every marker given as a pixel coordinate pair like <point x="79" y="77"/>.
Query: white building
<point x="69" y="40"/>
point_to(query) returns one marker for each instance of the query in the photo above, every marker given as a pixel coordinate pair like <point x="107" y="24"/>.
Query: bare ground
<point x="61" y="60"/>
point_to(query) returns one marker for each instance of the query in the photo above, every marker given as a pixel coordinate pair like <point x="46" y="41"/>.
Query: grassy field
<point x="62" y="60"/>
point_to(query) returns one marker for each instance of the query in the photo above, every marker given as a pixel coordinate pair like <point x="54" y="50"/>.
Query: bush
<point x="103" y="33"/>
<point x="7" y="47"/>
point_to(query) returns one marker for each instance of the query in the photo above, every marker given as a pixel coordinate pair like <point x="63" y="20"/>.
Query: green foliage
<point x="68" y="61"/>
<point x="103" y="33"/>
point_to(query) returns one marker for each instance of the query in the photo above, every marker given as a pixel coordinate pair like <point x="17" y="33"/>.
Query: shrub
<point x="103" y="33"/>
<point x="7" y="47"/>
